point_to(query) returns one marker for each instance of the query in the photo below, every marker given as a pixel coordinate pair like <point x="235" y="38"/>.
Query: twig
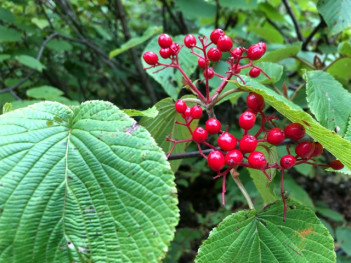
<point x="296" y="25"/>
<point x="311" y="35"/>
<point x="31" y="72"/>
<point x="241" y="187"/>
<point x="296" y="91"/>
<point x="332" y="63"/>
<point x="218" y="8"/>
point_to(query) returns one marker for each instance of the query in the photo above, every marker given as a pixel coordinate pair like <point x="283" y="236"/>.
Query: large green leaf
<point x="170" y="78"/>
<point x="86" y="184"/>
<point x="9" y="34"/>
<point x="164" y="125"/>
<point x="136" y="41"/>
<point x="328" y="100"/>
<point x="262" y="236"/>
<point x="331" y="141"/>
<point x="336" y="13"/>
<point x="340" y="69"/>
<point x="282" y="53"/>
<point x="44" y="92"/>
<point x="263" y="185"/>
<point x="30" y="62"/>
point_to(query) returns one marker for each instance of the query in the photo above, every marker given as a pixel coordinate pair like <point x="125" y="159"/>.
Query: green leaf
<point x="263" y="185"/>
<point x="23" y="103"/>
<point x="331" y="141"/>
<point x="82" y="185"/>
<point x="282" y="53"/>
<point x="7" y="108"/>
<point x="331" y="214"/>
<point x="59" y="45"/>
<point x="9" y="34"/>
<point x="342" y="259"/>
<point x="102" y="32"/>
<point x="136" y="41"/>
<point x="271" y="12"/>
<point x="44" y="92"/>
<point x="30" y="62"/>
<point x="336" y="13"/>
<point x="328" y="100"/>
<point x="239" y="4"/>
<point x="204" y="9"/>
<point x="344" y="48"/>
<point x="268" y="33"/>
<point x="4" y="57"/>
<point x="273" y="70"/>
<point x="343" y="236"/>
<point x="6" y="15"/>
<point x="262" y="236"/>
<point x="41" y="23"/>
<point x="163" y="125"/>
<point x="170" y="78"/>
<point x="150" y="112"/>
<point x="340" y="69"/>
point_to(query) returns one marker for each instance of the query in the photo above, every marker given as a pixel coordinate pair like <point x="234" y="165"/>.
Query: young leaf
<point x="150" y="112"/>
<point x="7" y="108"/>
<point x="82" y="185"/>
<point x="331" y="141"/>
<point x="263" y="237"/>
<point x="328" y="100"/>
<point x="136" y="41"/>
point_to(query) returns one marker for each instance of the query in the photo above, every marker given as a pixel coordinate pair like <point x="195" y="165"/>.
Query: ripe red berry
<point x="190" y="41"/>
<point x="186" y="113"/>
<point x="209" y="73"/>
<point x="275" y="136"/>
<point x="248" y="143"/>
<point x="224" y="43"/>
<point x="216" y="160"/>
<point x="196" y="112"/>
<point x="216" y="34"/>
<point x="257" y="160"/>
<point x="287" y="161"/>
<point x="202" y="63"/>
<point x="226" y="141"/>
<point x="247" y="120"/>
<point x="255" y="102"/>
<point x="200" y="135"/>
<point x="254" y="72"/>
<point x="165" y="52"/>
<point x="294" y="131"/>
<point x="180" y="106"/>
<point x="236" y="52"/>
<point x="318" y="149"/>
<point x="214" y="54"/>
<point x="304" y="149"/>
<point x="213" y="126"/>
<point x="150" y="58"/>
<point x="164" y="41"/>
<point x="233" y="157"/>
<point x="256" y="51"/>
<point x="336" y="165"/>
<point x="174" y="48"/>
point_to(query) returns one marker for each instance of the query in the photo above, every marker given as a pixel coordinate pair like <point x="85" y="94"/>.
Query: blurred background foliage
<point x="76" y="50"/>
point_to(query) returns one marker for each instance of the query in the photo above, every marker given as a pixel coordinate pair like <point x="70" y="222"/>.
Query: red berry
<point x="287" y="161"/>
<point x="294" y="131"/>
<point x="256" y="51"/>
<point x="216" y="34"/>
<point x="186" y="113"/>
<point x="150" y="57"/>
<point x="214" y="54"/>
<point x="233" y="158"/>
<point x="255" y="101"/>
<point x="248" y="143"/>
<point x="254" y="72"/>
<point x="209" y="73"/>
<point x="213" y="126"/>
<point x="196" y="112"/>
<point x="202" y="63"/>
<point x="215" y="160"/>
<point x="257" y="160"/>
<point x="336" y="165"/>
<point x="247" y="120"/>
<point x="164" y="41"/>
<point x="224" y="43"/>
<point x="275" y="136"/>
<point x="236" y="52"/>
<point x="190" y="41"/>
<point x="200" y="135"/>
<point x="226" y="141"/>
<point x="174" y="48"/>
<point x="165" y="52"/>
<point x="318" y="149"/>
<point x="180" y="106"/>
<point x="304" y="149"/>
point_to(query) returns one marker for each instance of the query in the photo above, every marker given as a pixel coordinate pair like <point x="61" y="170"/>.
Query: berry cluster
<point x="231" y="152"/>
<point x="234" y="152"/>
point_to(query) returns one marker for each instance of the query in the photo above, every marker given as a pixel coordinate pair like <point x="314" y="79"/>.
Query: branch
<point x="311" y="35"/>
<point x="31" y="72"/>
<point x="235" y="176"/>
<point x="296" y="25"/>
